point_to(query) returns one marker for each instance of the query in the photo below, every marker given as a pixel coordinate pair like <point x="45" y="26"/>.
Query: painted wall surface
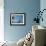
<point x="43" y="6"/>
<point x="29" y="7"/>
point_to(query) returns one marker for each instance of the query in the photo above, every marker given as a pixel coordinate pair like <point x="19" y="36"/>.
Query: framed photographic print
<point x="17" y="19"/>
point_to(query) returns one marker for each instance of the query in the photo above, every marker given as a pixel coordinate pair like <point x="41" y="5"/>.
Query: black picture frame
<point x="17" y="19"/>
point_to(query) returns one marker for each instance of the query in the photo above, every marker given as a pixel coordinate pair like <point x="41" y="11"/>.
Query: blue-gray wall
<point x="30" y="7"/>
<point x="43" y="6"/>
